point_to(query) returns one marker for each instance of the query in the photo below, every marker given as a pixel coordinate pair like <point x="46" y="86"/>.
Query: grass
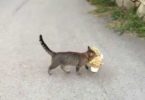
<point x="102" y="2"/>
<point x="123" y="20"/>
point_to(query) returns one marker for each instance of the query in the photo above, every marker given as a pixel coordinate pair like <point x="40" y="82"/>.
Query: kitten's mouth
<point x="91" y="58"/>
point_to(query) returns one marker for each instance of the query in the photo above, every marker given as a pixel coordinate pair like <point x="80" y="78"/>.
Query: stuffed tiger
<point x="95" y="64"/>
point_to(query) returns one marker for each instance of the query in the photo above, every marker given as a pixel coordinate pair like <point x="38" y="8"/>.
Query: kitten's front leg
<point x="86" y="67"/>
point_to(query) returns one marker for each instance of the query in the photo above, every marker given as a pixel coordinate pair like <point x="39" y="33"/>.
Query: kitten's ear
<point x="89" y="48"/>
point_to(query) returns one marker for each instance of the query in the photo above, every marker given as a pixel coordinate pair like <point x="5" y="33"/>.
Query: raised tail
<point x="45" y="46"/>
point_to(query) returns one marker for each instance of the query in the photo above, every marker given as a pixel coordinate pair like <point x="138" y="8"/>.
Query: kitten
<point x="67" y="58"/>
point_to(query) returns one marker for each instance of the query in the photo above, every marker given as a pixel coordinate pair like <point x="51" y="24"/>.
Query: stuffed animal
<point x="95" y="64"/>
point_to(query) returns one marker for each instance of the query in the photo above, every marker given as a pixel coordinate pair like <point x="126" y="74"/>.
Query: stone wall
<point x="129" y="4"/>
<point x="141" y="10"/>
<point x="126" y="4"/>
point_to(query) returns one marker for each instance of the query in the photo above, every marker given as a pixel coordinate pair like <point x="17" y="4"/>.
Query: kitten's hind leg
<point x="52" y="66"/>
<point x="63" y="68"/>
<point x="77" y="70"/>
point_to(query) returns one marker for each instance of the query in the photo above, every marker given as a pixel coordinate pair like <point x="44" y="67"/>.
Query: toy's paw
<point x="94" y="69"/>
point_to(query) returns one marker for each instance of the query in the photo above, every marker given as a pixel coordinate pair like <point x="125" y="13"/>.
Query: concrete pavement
<point x="65" y="25"/>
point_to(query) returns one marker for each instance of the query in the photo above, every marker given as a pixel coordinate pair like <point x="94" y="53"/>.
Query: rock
<point x="144" y="18"/>
<point x="141" y="11"/>
<point x="127" y="4"/>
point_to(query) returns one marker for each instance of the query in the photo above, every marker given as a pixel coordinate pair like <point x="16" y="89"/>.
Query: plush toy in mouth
<point x="95" y="64"/>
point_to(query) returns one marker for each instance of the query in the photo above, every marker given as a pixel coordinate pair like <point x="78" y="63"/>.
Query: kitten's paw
<point x="49" y="73"/>
<point x="78" y="73"/>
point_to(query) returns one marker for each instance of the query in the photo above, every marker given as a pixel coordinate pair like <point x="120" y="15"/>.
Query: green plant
<point x="101" y="9"/>
<point x="117" y="14"/>
<point x="130" y="21"/>
<point x="123" y="20"/>
<point x="103" y="2"/>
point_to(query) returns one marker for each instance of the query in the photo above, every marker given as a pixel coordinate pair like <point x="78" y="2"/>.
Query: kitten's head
<point x="91" y="54"/>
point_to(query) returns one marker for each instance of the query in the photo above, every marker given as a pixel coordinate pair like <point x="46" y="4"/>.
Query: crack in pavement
<point x="20" y="6"/>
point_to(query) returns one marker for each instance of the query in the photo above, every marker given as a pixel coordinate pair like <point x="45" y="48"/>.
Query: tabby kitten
<point x="67" y="58"/>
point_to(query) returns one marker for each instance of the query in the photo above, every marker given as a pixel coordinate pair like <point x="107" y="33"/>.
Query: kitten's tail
<point x="45" y="46"/>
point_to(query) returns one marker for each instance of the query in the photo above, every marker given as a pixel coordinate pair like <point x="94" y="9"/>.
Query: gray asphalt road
<point x="65" y="25"/>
